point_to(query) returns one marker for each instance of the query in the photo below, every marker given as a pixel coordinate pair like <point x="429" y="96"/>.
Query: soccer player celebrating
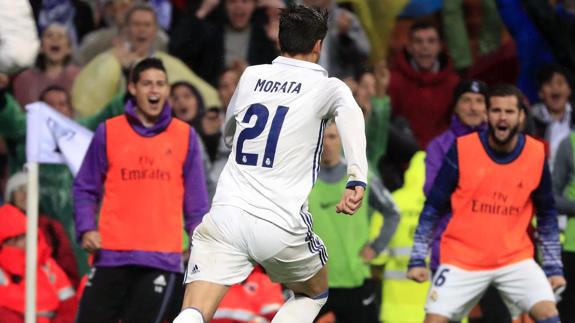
<point x="495" y="181"/>
<point x="275" y="123"/>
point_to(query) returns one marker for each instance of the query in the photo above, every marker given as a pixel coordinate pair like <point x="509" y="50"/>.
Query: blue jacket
<point x="532" y="50"/>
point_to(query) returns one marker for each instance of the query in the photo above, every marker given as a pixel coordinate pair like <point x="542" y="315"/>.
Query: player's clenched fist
<point x="418" y="274"/>
<point x="351" y="200"/>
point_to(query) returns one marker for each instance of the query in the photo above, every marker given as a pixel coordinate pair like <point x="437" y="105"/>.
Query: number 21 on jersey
<point x="261" y="113"/>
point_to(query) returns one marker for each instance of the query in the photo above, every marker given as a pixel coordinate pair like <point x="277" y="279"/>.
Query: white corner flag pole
<point x="54" y="139"/>
<point x="31" y="242"/>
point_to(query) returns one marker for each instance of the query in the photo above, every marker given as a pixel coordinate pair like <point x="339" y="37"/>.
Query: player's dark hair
<point x="300" y="28"/>
<point x="501" y="90"/>
<point x="146" y="64"/>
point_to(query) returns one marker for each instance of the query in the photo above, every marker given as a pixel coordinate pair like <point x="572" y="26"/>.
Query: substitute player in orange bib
<point x="494" y="181"/>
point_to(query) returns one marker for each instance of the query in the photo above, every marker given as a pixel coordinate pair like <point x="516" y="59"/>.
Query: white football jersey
<point x="275" y="123"/>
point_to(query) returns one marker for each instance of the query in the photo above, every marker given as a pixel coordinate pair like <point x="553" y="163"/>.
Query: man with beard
<point x="495" y="181"/>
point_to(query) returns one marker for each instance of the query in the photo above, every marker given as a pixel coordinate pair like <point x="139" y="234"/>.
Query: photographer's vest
<point x="491" y="206"/>
<point x="143" y="203"/>
<point x="403" y="300"/>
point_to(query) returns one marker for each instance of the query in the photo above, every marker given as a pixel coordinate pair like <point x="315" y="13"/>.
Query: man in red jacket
<point x="55" y="301"/>
<point x="257" y="299"/>
<point x="53" y="231"/>
<point x="422" y="82"/>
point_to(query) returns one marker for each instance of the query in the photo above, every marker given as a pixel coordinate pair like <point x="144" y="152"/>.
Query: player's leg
<point x="297" y="260"/>
<point x="454" y="292"/>
<point x="309" y="297"/>
<point x="150" y="295"/>
<point x="545" y="312"/>
<point x="435" y="318"/>
<point x="177" y="298"/>
<point x="201" y="300"/>
<point x="105" y="295"/>
<point x="335" y="302"/>
<point x="218" y="260"/>
<point x="525" y="285"/>
<point x="353" y="305"/>
<point x="370" y="301"/>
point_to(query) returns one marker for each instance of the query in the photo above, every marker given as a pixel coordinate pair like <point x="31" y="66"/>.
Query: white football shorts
<point x="229" y="242"/>
<point x="455" y="291"/>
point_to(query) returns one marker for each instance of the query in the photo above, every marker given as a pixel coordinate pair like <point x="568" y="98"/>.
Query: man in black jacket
<point x="209" y="45"/>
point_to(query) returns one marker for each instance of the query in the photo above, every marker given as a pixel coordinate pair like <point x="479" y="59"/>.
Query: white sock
<point x="300" y="309"/>
<point x="189" y="315"/>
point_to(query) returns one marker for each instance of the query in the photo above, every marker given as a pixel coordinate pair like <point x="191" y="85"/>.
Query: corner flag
<point x="53" y="138"/>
